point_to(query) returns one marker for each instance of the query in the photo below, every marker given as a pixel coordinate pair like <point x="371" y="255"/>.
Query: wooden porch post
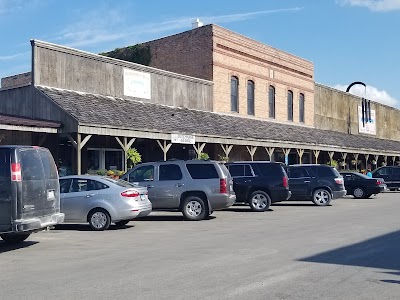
<point x="164" y="147"/>
<point x="252" y="151"/>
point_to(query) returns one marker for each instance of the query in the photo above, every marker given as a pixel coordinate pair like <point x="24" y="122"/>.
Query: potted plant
<point x="204" y="156"/>
<point x="374" y="162"/>
<point x="353" y="162"/>
<point x="133" y="157"/>
<point x="343" y="163"/>
<point x="101" y="172"/>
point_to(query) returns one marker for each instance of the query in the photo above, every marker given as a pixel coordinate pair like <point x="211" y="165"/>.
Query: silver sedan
<point x="101" y="201"/>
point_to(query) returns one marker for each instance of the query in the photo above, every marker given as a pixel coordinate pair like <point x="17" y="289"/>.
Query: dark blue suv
<point x="318" y="183"/>
<point x="259" y="183"/>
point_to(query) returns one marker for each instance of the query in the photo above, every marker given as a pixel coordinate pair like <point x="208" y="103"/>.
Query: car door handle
<point x="306" y="181"/>
<point x="90" y="195"/>
<point x="179" y="184"/>
<point x="149" y="186"/>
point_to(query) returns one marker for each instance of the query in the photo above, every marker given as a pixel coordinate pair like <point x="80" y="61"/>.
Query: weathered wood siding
<point x="30" y="103"/>
<point x="65" y="68"/>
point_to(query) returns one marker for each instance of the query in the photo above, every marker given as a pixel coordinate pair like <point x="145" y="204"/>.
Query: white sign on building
<point x="137" y="84"/>
<point x="182" y="139"/>
<point x="369" y="127"/>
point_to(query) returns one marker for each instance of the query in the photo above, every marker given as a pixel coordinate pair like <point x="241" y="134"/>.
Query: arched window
<point x="234" y="94"/>
<point x="290" y="105"/>
<point x="271" y="101"/>
<point x="250" y="97"/>
<point x="301" y="108"/>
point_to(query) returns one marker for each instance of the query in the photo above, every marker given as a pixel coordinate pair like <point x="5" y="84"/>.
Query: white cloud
<point x="13" y="56"/>
<point x="106" y="25"/>
<point x="373" y="5"/>
<point x="371" y="93"/>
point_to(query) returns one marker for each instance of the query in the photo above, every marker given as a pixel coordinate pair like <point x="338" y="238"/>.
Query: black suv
<point x="259" y="183"/>
<point x="391" y="175"/>
<point x="318" y="183"/>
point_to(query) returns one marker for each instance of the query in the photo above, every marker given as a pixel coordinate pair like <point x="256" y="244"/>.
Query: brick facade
<point x="215" y="53"/>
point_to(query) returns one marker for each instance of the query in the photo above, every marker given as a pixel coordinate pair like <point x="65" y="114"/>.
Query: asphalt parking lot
<point x="296" y="250"/>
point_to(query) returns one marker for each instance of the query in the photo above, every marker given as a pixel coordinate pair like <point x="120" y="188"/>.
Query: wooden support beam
<point x="252" y="150"/>
<point x="73" y="142"/>
<point x="79" y="154"/>
<point x="300" y="152"/>
<point x="270" y="151"/>
<point x="316" y="154"/>
<point x="85" y="140"/>
<point x="227" y="149"/>
<point x="164" y="147"/>
<point x="125" y="145"/>
<point x="199" y="149"/>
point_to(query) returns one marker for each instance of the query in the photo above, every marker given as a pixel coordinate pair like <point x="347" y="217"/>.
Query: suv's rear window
<point x="240" y="170"/>
<point x="327" y="172"/>
<point x="31" y="165"/>
<point x="202" y="171"/>
<point x="271" y="169"/>
<point x="50" y="169"/>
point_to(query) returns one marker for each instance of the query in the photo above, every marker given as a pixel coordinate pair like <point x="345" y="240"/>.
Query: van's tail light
<point x="130" y="193"/>
<point x="378" y="182"/>
<point x="339" y="180"/>
<point x="223" y="189"/>
<point x="285" y="182"/>
<point x="15" y="172"/>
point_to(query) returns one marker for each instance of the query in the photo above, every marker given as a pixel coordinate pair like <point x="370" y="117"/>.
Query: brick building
<point x="250" y="78"/>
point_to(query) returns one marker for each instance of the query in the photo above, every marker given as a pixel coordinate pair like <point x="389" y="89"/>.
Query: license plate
<point x="51" y="195"/>
<point x="142" y="197"/>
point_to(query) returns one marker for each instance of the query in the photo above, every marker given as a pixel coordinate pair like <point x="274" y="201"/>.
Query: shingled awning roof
<point x="26" y="124"/>
<point x="99" y="110"/>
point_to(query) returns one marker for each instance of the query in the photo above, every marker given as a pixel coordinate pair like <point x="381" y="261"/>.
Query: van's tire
<point x="194" y="208"/>
<point x="321" y="197"/>
<point x="359" y="193"/>
<point x="259" y="201"/>
<point x="99" y="219"/>
<point x="122" y="223"/>
<point x="367" y="196"/>
<point x="14" y="238"/>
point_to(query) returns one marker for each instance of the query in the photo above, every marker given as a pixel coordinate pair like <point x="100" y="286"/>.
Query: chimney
<point x="196" y="24"/>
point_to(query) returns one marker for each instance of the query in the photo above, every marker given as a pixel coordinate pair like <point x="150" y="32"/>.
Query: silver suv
<point x="194" y="187"/>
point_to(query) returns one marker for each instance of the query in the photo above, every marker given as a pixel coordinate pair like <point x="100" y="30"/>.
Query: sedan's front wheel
<point x="321" y="197"/>
<point x="359" y="193"/>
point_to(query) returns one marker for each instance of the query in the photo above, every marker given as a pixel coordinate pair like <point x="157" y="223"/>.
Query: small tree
<point x="133" y="157"/>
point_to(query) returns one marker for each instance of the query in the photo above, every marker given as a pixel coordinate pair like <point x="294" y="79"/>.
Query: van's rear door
<point x="5" y="190"/>
<point x="52" y="183"/>
<point x="32" y="196"/>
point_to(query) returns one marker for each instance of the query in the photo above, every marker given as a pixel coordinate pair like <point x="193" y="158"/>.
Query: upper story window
<point x="290" y="105"/>
<point x="234" y="94"/>
<point x="301" y="108"/>
<point x="271" y="101"/>
<point x="250" y="97"/>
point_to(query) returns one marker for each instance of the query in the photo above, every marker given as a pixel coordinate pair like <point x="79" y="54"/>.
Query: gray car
<point x="100" y="201"/>
<point x="194" y="187"/>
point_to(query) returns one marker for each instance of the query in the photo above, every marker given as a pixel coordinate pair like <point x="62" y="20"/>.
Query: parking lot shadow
<point x="380" y="252"/>
<point x="85" y="227"/>
<point x="243" y="208"/>
<point x="167" y="218"/>
<point x="4" y="247"/>
<point x="295" y="203"/>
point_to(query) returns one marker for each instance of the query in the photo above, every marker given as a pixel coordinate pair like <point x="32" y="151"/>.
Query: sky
<point x="347" y="40"/>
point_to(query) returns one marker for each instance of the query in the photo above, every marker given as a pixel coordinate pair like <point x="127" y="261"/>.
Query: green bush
<point x="204" y="156"/>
